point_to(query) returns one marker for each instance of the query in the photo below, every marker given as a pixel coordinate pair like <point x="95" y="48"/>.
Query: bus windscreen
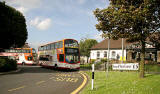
<point x="71" y="43"/>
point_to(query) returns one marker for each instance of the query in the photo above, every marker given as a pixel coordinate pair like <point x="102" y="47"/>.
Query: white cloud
<point x="41" y="24"/>
<point x="24" y="5"/>
<point x="22" y="10"/>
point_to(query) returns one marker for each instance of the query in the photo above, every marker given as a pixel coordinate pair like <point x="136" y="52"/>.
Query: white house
<point x="100" y="50"/>
<point x="131" y="51"/>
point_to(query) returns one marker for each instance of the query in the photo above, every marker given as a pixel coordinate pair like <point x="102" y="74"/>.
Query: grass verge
<point x="123" y="83"/>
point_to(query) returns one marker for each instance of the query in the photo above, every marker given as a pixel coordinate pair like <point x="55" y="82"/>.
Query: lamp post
<point x="108" y="56"/>
<point x="122" y="49"/>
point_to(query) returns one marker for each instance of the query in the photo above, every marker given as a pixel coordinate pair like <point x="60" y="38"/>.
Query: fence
<point x="102" y="66"/>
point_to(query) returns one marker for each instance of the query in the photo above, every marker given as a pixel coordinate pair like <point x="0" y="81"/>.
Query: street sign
<point x="128" y="66"/>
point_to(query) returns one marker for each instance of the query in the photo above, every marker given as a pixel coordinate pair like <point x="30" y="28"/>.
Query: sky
<point x="53" y="20"/>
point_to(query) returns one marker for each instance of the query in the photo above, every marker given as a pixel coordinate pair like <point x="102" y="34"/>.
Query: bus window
<point x="30" y="58"/>
<point x="12" y="51"/>
<point x="33" y="51"/>
<point x="56" y="45"/>
<point x="49" y="47"/>
<point x="23" y="51"/>
<point x="19" y="51"/>
<point x="52" y="46"/>
<point x="43" y="59"/>
<point x="41" y="48"/>
<point x="61" y="57"/>
<point x="60" y="44"/>
<point x="71" y="43"/>
<point x="72" y="58"/>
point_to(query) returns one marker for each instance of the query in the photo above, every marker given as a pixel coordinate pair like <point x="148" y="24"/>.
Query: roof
<point x="114" y="44"/>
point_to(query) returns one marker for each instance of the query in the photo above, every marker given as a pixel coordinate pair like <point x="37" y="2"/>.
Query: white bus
<point x="22" y="55"/>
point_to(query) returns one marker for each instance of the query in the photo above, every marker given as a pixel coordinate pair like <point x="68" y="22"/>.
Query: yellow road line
<point x="16" y="88"/>
<point x="40" y="82"/>
<point x="81" y="86"/>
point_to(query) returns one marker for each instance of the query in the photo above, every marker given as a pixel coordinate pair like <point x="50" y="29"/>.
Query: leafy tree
<point x="135" y="20"/>
<point x="12" y="27"/>
<point x="85" y="45"/>
<point x="155" y="39"/>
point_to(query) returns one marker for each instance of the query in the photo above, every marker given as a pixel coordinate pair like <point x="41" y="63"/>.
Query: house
<point x="131" y="51"/>
<point x="100" y="50"/>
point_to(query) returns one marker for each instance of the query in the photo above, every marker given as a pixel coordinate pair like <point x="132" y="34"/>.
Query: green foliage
<point x="87" y="66"/>
<point x="7" y="64"/>
<point x="93" y="60"/>
<point x="12" y="27"/>
<point x="104" y="60"/>
<point x="152" y="68"/>
<point x="155" y="39"/>
<point x="135" y="20"/>
<point x="85" y="45"/>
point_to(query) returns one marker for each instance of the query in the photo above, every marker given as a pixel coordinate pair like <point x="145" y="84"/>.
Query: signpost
<point x="128" y="66"/>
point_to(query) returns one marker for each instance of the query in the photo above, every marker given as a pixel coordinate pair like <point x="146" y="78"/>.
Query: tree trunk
<point x="142" y="62"/>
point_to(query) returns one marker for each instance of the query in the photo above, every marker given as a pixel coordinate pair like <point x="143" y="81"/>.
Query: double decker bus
<point x="21" y="55"/>
<point x="62" y="54"/>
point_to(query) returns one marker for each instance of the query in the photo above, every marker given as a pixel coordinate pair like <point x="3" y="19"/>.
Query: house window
<point x="105" y="53"/>
<point x="113" y="54"/>
<point x="118" y="57"/>
<point x="98" y="54"/>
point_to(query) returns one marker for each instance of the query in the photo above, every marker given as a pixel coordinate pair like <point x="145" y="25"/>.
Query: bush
<point x="7" y="64"/>
<point x="152" y="68"/>
<point x="93" y="60"/>
<point x="104" y="60"/>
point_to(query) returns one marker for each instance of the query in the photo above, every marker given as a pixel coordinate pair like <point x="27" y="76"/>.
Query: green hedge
<point x="152" y="68"/>
<point x="7" y="64"/>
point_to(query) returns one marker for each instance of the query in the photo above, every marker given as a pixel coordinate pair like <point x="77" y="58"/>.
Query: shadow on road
<point x="39" y="69"/>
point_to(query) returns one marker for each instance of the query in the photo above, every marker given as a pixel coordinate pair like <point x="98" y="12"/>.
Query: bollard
<point x="92" y="77"/>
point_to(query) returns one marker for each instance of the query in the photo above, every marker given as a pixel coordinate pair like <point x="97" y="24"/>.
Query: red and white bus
<point x="22" y="55"/>
<point x="62" y="54"/>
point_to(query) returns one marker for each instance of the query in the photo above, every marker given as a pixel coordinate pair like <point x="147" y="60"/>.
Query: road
<point x="37" y="80"/>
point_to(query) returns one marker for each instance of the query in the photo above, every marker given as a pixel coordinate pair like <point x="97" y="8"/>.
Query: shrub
<point x="104" y="60"/>
<point x="7" y="64"/>
<point x="93" y="60"/>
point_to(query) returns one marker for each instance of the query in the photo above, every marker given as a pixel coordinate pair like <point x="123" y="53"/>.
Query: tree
<point x="135" y="20"/>
<point x="155" y="39"/>
<point x="85" y="45"/>
<point x="12" y="27"/>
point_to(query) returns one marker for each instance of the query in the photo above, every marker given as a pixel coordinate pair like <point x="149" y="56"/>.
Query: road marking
<point x="16" y="88"/>
<point x="52" y="78"/>
<point x="82" y="85"/>
<point x="40" y="82"/>
<point x="64" y="75"/>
